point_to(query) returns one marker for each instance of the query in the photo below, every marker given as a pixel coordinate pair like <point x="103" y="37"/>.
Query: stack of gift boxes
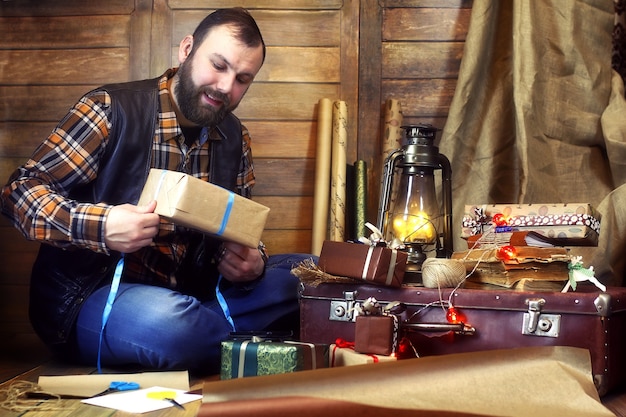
<point x="376" y="330"/>
<point x="376" y="339"/>
<point x="524" y="247"/>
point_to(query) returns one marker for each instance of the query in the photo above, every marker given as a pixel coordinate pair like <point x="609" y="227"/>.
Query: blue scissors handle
<point x="117" y="386"/>
<point x="123" y="386"/>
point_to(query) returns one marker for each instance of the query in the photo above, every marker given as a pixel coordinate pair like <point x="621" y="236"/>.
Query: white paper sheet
<point x="139" y="402"/>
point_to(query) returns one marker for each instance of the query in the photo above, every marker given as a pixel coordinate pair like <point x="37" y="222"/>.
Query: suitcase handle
<point x="458" y="328"/>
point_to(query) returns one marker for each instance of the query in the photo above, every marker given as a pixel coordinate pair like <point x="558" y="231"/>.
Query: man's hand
<point x="129" y="228"/>
<point x="238" y="263"/>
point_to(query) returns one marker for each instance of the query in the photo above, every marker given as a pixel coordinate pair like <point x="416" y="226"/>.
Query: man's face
<point x="213" y="80"/>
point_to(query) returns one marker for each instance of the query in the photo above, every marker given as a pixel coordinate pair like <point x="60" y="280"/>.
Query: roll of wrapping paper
<point x="392" y="138"/>
<point x="360" y="199"/>
<point x="322" y="175"/>
<point x="338" y="178"/>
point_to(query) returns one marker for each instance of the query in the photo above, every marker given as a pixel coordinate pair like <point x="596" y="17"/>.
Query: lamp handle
<point x="385" y="189"/>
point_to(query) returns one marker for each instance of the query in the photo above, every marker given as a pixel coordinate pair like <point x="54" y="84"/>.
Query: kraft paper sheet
<point x="90" y="385"/>
<point x="322" y="175"/>
<point x="338" y="180"/>
<point x="536" y="381"/>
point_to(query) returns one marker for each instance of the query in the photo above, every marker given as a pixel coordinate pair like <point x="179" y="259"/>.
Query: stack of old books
<point x="528" y="250"/>
<point x="515" y="264"/>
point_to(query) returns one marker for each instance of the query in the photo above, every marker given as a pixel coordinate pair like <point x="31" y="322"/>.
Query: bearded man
<point x="176" y="293"/>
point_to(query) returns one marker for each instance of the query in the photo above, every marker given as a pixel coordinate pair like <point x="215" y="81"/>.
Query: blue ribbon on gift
<point x="226" y="217"/>
<point x="245" y="360"/>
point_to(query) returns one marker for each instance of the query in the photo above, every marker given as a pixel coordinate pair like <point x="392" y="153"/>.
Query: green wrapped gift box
<point x="247" y="358"/>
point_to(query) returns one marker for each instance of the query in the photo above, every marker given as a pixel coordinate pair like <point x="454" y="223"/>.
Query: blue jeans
<point x="159" y="328"/>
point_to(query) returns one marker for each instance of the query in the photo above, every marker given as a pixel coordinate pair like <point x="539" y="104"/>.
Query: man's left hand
<point x="238" y="263"/>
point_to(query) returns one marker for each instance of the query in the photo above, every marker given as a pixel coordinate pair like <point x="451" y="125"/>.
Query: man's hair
<point x="239" y="19"/>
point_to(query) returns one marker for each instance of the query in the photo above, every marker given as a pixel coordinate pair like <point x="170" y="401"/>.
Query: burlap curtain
<point x="539" y="116"/>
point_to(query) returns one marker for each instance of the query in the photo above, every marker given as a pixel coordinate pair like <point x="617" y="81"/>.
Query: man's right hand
<point x="129" y="228"/>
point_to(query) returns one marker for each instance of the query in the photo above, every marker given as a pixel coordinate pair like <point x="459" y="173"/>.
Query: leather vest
<point x="62" y="279"/>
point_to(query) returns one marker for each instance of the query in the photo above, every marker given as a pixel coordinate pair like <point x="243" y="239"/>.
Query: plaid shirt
<point x="36" y="196"/>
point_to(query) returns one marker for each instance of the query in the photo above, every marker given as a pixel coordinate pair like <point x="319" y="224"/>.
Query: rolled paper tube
<point x="392" y="135"/>
<point x="338" y="180"/>
<point x="322" y="175"/>
<point x="393" y="112"/>
<point x="360" y="199"/>
<point x="392" y="138"/>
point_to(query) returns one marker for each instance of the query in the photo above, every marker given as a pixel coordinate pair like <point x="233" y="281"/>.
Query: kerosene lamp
<point x="409" y="211"/>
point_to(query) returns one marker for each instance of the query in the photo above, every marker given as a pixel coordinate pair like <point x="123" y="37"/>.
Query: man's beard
<point x="190" y="101"/>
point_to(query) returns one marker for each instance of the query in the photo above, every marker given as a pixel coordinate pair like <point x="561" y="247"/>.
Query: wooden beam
<point x="370" y="100"/>
<point x="161" y="39"/>
<point x="140" y="23"/>
<point x="349" y="87"/>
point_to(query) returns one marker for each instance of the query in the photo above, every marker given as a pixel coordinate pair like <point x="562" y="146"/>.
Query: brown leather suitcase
<point x="495" y="319"/>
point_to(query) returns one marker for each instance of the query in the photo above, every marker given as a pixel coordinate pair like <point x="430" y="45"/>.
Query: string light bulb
<point x="507" y="253"/>
<point x="454" y="316"/>
<point x="500" y="219"/>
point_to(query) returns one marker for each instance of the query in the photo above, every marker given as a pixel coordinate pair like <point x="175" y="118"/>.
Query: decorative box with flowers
<point x="576" y="222"/>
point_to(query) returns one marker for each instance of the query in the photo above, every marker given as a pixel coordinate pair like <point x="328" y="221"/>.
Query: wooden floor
<point x="25" y="359"/>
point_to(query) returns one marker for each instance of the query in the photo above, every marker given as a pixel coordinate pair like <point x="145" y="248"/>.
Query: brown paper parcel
<point x="535" y="381"/>
<point x="190" y="202"/>
<point x="375" y="264"/>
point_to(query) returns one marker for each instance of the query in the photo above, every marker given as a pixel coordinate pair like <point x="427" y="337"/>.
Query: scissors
<point x="117" y="386"/>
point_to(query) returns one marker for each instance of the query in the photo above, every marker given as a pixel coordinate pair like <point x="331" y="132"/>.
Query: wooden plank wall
<point x="360" y="51"/>
<point x="410" y="51"/>
<point x="50" y="53"/>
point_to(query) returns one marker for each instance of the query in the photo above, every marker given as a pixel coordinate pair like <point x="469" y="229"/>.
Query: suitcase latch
<point x="537" y="324"/>
<point x="343" y="310"/>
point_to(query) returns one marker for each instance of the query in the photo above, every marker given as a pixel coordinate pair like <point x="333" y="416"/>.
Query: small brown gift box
<point x="375" y="264"/>
<point x="190" y="202"/>
<point x="377" y="335"/>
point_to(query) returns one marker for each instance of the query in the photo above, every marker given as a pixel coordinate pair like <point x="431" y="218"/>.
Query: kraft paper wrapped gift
<point x="573" y="224"/>
<point x="346" y="356"/>
<point x="375" y="264"/>
<point x="243" y="358"/>
<point x="190" y="202"/>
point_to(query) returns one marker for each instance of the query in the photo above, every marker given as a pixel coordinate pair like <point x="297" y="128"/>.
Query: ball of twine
<point x="442" y="273"/>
